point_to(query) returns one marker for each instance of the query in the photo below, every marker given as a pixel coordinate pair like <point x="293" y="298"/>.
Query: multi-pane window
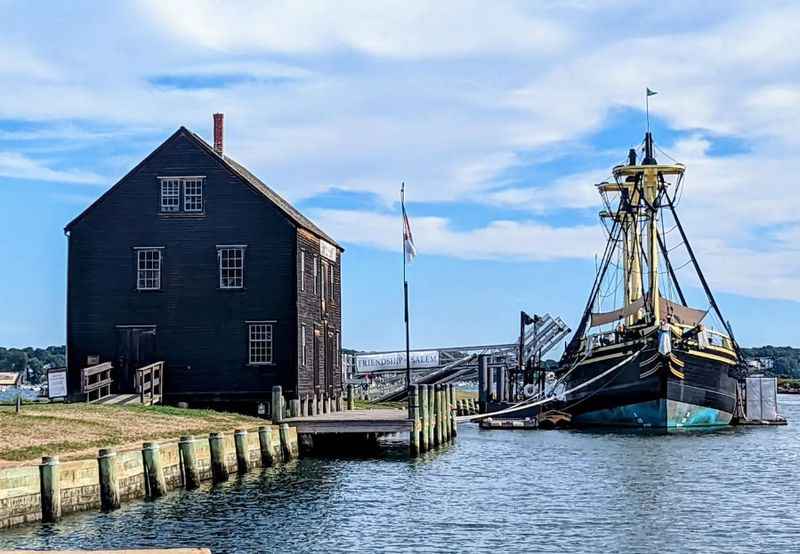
<point x="231" y="266"/>
<point x="303" y="345"/>
<point x="324" y="278"/>
<point x="148" y="268"/>
<point x="260" y="343"/>
<point x="330" y="283"/>
<point x="302" y="270"/>
<point x="193" y="195"/>
<point x="170" y="195"/>
<point x="316" y="269"/>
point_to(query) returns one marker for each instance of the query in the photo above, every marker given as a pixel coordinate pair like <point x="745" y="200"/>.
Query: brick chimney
<point x="218" y="133"/>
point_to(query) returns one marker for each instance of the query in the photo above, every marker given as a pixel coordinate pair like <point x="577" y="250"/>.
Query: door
<point x="329" y="353"/>
<point x="316" y="358"/>
<point x="136" y="347"/>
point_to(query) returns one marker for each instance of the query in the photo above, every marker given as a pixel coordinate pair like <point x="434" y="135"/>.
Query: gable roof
<point x="239" y="171"/>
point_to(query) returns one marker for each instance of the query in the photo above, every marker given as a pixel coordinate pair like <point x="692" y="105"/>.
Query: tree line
<point x="33" y="362"/>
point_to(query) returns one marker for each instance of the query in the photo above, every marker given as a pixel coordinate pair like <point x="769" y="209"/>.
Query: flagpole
<point x="405" y="285"/>
<point x="647" y="107"/>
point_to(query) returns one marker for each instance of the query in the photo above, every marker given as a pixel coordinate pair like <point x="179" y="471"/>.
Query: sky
<point x="499" y="117"/>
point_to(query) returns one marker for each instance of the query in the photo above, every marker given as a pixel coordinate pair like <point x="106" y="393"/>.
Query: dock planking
<point x="354" y="421"/>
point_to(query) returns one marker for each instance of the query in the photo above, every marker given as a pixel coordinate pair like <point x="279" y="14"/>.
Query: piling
<point x="216" y="444"/>
<point x="107" y="469"/>
<point x="350" y="400"/>
<point x="445" y="413"/>
<point x="304" y="405"/>
<point x="155" y="484"/>
<point x="295" y="402"/>
<point x="423" y="418"/>
<point x="269" y="457"/>
<point x="339" y="402"/>
<point x="328" y="403"/>
<point x="413" y="415"/>
<point x="453" y="412"/>
<point x="431" y="416"/>
<point x="312" y="409"/>
<point x="50" y="489"/>
<point x="191" y="477"/>
<point x="437" y="428"/>
<point x="289" y="447"/>
<point x="483" y="380"/>
<point x="277" y="403"/>
<point x="501" y="384"/>
<point x="242" y="454"/>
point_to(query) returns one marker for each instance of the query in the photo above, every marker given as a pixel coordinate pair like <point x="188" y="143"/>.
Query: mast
<point x="651" y="189"/>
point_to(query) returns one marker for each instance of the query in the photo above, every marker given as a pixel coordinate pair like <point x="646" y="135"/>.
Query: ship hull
<point x="644" y="391"/>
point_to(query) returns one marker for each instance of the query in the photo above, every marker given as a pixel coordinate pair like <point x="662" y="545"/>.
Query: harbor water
<point x="727" y="490"/>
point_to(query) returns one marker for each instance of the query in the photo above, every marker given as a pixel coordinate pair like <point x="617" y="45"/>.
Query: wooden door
<point x="316" y="357"/>
<point x="136" y="347"/>
<point x="329" y="353"/>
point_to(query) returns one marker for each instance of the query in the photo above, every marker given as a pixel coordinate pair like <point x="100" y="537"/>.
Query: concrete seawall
<point x="52" y="489"/>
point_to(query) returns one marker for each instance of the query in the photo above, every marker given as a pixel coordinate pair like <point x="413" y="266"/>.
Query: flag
<point x="651" y="92"/>
<point x="408" y="240"/>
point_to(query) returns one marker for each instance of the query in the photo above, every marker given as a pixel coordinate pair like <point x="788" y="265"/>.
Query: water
<point x="730" y="490"/>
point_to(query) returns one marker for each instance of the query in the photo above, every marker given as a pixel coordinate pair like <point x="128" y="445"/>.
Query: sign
<point x="327" y="250"/>
<point x="395" y="361"/>
<point x="57" y="383"/>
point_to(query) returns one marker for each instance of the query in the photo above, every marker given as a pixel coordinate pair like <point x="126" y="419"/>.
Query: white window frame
<point x="302" y="270"/>
<point x="224" y="281"/>
<point x="170" y="191"/>
<point x="260" y="342"/>
<point x="316" y="272"/>
<point x="144" y="274"/>
<point x="337" y="358"/>
<point x="324" y="280"/>
<point x="303" y="344"/>
<point x="330" y="282"/>
<point x="195" y="197"/>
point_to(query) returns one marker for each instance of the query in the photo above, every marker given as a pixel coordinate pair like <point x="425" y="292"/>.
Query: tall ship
<point x="641" y="355"/>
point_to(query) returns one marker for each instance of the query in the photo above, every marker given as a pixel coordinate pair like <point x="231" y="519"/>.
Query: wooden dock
<point x="355" y="421"/>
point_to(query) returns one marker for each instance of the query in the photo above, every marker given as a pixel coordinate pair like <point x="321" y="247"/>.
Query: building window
<point x="260" y="343"/>
<point x="193" y="195"/>
<point x="337" y="359"/>
<point x="330" y="283"/>
<point x="316" y="270"/>
<point x="148" y="268"/>
<point x="170" y="195"/>
<point x="324" y="279"/>
<point x="303" y="345"/>
<point x="231" y="266"/>
<point x="302" y="271"/>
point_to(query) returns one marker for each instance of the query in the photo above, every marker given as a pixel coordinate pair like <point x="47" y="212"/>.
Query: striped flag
<point x="408" y="239"/>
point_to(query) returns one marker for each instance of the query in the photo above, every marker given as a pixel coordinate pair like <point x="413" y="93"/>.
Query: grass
<point x="74" y="431"/>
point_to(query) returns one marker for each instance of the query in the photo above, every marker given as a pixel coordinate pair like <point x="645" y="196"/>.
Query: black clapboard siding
<point x="201" y="330"/>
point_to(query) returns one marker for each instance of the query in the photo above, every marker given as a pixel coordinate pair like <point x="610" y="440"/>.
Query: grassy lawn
<point x="74" y="431"/>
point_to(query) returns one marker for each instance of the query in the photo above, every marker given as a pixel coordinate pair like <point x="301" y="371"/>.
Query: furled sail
<point x="679" y="313"/>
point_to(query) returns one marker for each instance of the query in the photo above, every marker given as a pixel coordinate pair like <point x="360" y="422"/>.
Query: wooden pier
<point x="356" y="421"/>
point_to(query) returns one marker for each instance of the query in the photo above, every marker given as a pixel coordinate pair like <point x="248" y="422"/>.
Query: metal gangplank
<point x="461" y="363"/>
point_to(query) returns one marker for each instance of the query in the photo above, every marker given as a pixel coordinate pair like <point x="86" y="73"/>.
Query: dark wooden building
<point x="191" y="259"/>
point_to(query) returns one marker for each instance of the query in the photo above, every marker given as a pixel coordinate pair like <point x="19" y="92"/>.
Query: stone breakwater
<point x="53" y="488"/>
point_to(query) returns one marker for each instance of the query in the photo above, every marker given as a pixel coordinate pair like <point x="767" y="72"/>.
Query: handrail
<point x="97" y="379"/>
<point x="155" y="372"/>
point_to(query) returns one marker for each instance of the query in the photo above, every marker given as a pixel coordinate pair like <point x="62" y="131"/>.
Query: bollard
<point x="155" y="485"/>
<point x="304" y="406"/>
<point x="452" y="413"/>
<point x="50" y="489"/>
<point x="277" y="404"/>
<point x="268" y="455"/>
<point x="413" y="415"/>
<point x="339" y="402"/>
<point x="289" y="449"/>
<point x="326" y="400"/>
<point x="242" y="457"/>
<point x="423" y="418"/>
<point x="312" y="409"/>
<point x="219" y="470"/>
<point x="295" y="402"/>
<point x="107" y="469"/>
<point x="431" y="416"/>
<point x="350" y="399"/>
<point x="191" y="478"/>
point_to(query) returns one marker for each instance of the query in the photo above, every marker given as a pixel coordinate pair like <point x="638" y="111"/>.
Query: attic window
<point x="192" y="189"/>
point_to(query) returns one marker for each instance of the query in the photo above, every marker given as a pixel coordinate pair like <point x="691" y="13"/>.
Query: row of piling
<point x="309" y="404"/>
<point x="467" y="407"/>
<point x="192" y="471"/>
<point x="432" y="408"/>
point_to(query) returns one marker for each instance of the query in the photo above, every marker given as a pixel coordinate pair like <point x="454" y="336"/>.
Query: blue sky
<point x="498" y="116"/>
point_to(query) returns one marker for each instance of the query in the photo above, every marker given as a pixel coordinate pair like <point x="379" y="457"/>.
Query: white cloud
<point x="17" y="166"/>
<point x="499" y="240"/>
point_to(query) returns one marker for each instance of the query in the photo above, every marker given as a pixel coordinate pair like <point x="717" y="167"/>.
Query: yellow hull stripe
<point x="711" y="357"/>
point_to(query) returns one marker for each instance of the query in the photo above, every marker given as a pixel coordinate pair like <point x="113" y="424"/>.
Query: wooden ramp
<point x="126" y="399"/>
<point x="354" y="421"/>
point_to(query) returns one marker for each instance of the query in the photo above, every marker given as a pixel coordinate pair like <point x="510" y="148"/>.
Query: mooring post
<point x="350" y="400"/>
<point x="413" y="415"/>
<point x="501" y="384"/>
<point x="423" y="418"/>
<point x="437" y="428"/>
<point x="50" y="489"/>
<point x="242" y="455"/>
<point x="191" y="478"/>
<point x="431" y="416"/>
<point x="483" y="380"/>
<point x="312" y="406"/>
<point x="453" y="412"/>
<point x="277" y="397"/>
<point x="216" y="444"/>
<point x="107" y="469"/>
<point x="153" y="471"/>
<point x="289" y="446"/>
<point x="339" y="402"/>
<point x="268" y="455"/>
<point x="445" y="414"/>
<point x="328" y="402"/>
<point x="295" y="402"/>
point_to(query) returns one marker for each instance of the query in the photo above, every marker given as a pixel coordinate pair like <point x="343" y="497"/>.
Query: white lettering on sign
<point x="327" y="250"/>
<point x="394" y="361"/>
<point x="57" y="384"/>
